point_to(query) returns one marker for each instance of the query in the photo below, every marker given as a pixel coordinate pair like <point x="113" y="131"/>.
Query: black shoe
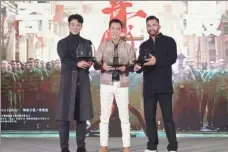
<point x="65" y="150"/>
<point x="81" y="149"/>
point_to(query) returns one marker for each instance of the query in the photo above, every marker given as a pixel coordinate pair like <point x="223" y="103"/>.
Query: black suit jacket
<point x="158" y="78"/>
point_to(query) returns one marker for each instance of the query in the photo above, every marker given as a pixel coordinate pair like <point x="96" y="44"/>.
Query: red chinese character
<point x="118" y="10"/>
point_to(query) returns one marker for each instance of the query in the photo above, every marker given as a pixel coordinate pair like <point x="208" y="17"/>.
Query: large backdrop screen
<point x="200" y="74"/>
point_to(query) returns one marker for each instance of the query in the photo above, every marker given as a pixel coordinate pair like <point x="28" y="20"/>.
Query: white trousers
<point x="107" y="94"/>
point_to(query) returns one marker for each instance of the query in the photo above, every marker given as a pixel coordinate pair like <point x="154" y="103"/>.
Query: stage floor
<point x="186" y="144"/>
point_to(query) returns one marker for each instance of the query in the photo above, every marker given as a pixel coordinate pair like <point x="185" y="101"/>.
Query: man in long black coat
<point x="75" y="101"/>
<point x="161" y="53"/>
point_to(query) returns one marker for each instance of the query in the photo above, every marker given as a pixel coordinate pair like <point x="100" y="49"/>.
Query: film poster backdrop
<point x="200" y="99"/>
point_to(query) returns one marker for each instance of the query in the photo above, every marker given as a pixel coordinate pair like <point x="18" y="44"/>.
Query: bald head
<point x="4" y="65"/>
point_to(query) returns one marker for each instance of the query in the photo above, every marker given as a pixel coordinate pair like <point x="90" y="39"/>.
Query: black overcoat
<point x="75" y="101"/>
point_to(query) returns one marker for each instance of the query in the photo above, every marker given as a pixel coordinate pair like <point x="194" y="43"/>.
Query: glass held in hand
<point x="145" y="54"/>
<point x="85" y="52"/>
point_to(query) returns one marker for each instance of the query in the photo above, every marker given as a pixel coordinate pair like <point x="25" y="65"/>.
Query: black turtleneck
<point x="73" y="40"/>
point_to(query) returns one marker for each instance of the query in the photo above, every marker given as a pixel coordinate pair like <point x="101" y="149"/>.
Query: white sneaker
<point x="150" y="150"/>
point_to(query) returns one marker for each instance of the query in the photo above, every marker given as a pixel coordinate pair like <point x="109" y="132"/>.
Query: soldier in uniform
<point x="43" y="70"/>
<point x="48" y="67"/>
<point x="181" y="78"/>
<point x="9" y="67"/>
<point x="52" y="64"/>
<point x="26" y="66"/>
<point x="208" y="96"/>
<point x="7" y="85"/>
<point x="32" y="80"/>
<point x="220" y="80"/>
<point x="51" y="87"/>
<point x="195" y="96"/>
<point x="20" y="90"/>
<point x="43" y="95"/>
<point x="18" y="65"/>
<point x="16" y="97"/>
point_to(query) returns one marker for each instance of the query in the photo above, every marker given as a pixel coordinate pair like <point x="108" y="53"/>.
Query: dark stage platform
<point x="186" y="144"/>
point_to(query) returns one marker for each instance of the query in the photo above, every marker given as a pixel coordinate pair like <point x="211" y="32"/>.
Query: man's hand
<point x="150" y="61"/>
<point x="137" y="67"/>
<point x="122" y="68"/>
<point x="90" y="63"/>
<point x="83" y="64"/>
<point x="107" y="68"/>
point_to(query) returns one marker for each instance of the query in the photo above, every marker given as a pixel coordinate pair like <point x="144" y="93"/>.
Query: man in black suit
<point x="160" y="52"/>
<point x="75" y="100"/>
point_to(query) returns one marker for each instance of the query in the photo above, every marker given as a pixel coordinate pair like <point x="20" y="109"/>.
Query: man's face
<point x="212" y="64"/>
<point x="52" y="64"/>
<point x="37" y="63"/>
<point x="4" y="65"/>
<point x="42" y="64"/>
<point x="48" y="65"/>
<point x="57" y="65"/>
<point x="152" y="27"/>
<point x="31" y="64"/>
<point x="9" y="67"/>
<point x="13" y="65"/>
<point x="191" y="63"/>
<point x="18" y="65"/>
<point x="75" y="27"/>
<point x="115" y="30"/>
<point x="26" y="65"/>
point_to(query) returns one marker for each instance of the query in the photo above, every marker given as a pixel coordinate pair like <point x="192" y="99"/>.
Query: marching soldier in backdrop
<point x="32" y="81"/>
<point x="208" y="96"/>
<point x="220" y="79"/>
<point x="8" y="81"/>
<point x="16" y="99"/>
<point x="195" y="97"/>
<point x="181" y="78"/>
<point x="51" y="86"/>
<point x="7" y="85"/>
<point x="19" y="86"/>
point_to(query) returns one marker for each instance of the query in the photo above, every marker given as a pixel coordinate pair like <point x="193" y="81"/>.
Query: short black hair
<point x="18" y="62"/>
<point x="115" y="20"/>
<point x="77" y="17"/>
<point x="152" y="18"/>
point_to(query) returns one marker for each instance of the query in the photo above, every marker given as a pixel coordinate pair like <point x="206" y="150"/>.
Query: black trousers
<point x="150" y="108"/>
<point x="64" y="130"/>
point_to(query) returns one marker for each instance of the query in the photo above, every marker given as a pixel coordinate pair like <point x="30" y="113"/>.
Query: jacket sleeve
<point x="171" y="56"/>
<point x="65" y="57"/>
<point x="139" y="57"/>
<point x="99" y="57"/>
<point x="132" y="58"/>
